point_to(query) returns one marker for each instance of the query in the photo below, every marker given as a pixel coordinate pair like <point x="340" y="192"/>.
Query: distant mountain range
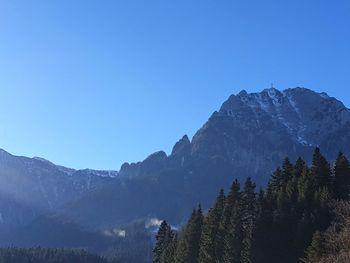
<point x="248" y="136"/>
<point x="33" y="186"/>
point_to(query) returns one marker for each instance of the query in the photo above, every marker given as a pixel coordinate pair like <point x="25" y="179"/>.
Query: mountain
<point x="30" y="187"/>
<point x="252" y="131"/>
<point x="248" y="136"/>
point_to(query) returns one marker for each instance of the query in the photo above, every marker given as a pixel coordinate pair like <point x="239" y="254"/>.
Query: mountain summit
<point x="249" y="135"/>
<point x="252" y="132"/>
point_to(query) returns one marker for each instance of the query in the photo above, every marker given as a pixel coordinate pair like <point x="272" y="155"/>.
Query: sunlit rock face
<point x="252" y="132"/>
<point x="32" y="186"/>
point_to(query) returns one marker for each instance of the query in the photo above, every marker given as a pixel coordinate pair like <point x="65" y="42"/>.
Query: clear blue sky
<point x="96" y="83"/>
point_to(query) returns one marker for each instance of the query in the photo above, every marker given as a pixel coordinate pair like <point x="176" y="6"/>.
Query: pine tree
<point x="233" y="197"/>
<point x="168" y="255"/>
<point x="188" y="246"/>
<point x="306" y="188"/>
<point x="248" y="220"/>
<point x="195" y="232"/>
<point x="298" y="168"/>
<point x="163" y="239"/>
<point x="320" y="170"/>
<point x="210" y="243"/>
<point x="263" y="234"/>
<point x="342" y="177"/>
<point x="226" y="232"/>
<point x="233" y="238"/>
<point x="287" y="172"/>
<point x="276" y="181"/>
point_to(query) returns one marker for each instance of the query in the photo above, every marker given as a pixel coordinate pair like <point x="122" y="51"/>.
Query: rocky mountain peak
<point x="182" y="145"/>
<point x="249" y="135"/>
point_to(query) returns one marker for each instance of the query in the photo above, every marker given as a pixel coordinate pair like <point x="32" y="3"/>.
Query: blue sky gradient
<point x="96" y="83"/>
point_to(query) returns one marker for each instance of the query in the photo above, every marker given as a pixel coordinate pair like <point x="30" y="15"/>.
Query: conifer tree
<point x="275" y="226"/>
<point x="232" y="241"/>
<point x="233" y="197"/>
<point x="342" y="177"/>
<point x="276" y="181"/>
<point x="210" y="243"/>
<point x="168" y="256"/>
<point x="163" y="239"/>
<point x="264" y="235"/>
<point x="195" y="232"/>
<point x="188" y="246"/>
<point x="299" y="167"/>
<point x="224" y="236"/>
<point x="287" y="172"/>
<point x="248" y="220"/>
<point x="306" y="188"/>
<point x="320" y="170"/>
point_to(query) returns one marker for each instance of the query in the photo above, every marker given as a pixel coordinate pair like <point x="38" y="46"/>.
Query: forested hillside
<point x="275" y="225"/>
<point x="41" y="255"/>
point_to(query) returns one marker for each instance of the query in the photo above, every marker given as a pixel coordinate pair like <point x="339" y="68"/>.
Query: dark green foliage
<point x="188" y="246"/>
<point x="321" y="170"/>
<point x="248" y="220"/>
<point x="231" y="226"/>
<point x="166" y="244"/>
<point x="41" y="255"/>
<point x="276" y="181"/>
<point x="210" y="243"/>
<point x="168" y="256"/>
<point x="342" y="177"/>
<point x="163" y="239"/>
<point x="287" y="172"/>
<point x="276" y="225"/>
<point x="299" y="166"/>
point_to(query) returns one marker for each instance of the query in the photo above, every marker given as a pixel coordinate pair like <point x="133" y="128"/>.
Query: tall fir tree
<point x="299" y="167"/>
<point x="188" y="245"/>
<point x="248" y="220"/>
<point x="163" y="240"/>
<point x="276" y="181"/>
<point x="233" y="237"/>
<point x="342" y="177"/>
<point x="321" y="170"/>
<point x="210" y="243"/>
<point x="287" y="172"/>
<point x="168" y="255"/>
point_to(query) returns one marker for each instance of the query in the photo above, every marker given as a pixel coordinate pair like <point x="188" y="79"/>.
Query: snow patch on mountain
<point x="280" y="106"/>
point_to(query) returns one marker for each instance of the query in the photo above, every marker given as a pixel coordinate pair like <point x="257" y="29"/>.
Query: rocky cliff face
<point x="252" y="132"/>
